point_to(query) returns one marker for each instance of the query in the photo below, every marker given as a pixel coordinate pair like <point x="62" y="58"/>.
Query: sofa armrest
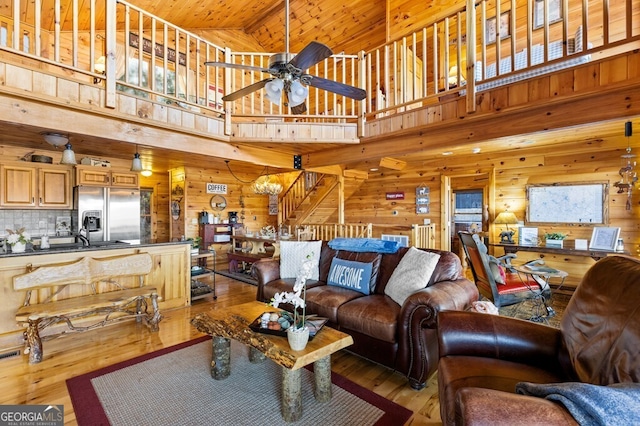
<point x="265" y="271"/>
<point x="478" y="406"/>
<point x="417" y="339"/>
<point x="493" y="336"/>
<point x="441" y="296"/>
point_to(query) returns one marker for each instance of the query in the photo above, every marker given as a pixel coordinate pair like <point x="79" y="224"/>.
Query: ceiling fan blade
<point x="246" y="90"/>
<point x="339" y="88"/>
<point x="298" y="109"/>
<point x="312" y="53"/>
<point x="239" y="67"/>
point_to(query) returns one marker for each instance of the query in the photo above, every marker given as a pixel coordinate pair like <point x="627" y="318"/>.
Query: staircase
<point x="313" y="198"/>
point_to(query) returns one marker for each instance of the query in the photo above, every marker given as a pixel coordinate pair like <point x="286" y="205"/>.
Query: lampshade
<point x="297" y="93"/>
<point x="274" y="90"/>
<point x="266" y="185"/>
<point x="68" y="156"/>
<point x="56" y="139"/>
<point x="136" y="164"/>
<point x="506" y="218"/>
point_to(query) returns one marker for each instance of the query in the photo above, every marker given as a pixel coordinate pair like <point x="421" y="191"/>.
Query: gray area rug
<point x="177" y="389"/>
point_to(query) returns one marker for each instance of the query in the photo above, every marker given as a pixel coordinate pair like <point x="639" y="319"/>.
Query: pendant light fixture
<point x="628" y="174"/>
<point x="68" y="156"/>
<point x="136" y="164"/>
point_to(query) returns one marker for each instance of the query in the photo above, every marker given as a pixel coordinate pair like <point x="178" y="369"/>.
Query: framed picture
<point x="581" y="203"/>
<point x="492" y="29"/>
<point x="555" y="12"/>
<point x="604" y="238"/>
<point x="528" y="236"/>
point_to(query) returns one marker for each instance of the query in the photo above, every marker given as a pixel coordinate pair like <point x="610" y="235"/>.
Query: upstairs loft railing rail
<point x="475" y="47"/>
<point x="472" y="48"/>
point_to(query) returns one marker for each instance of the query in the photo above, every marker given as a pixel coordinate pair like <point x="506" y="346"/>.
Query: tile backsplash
<point x="36" y="222"/>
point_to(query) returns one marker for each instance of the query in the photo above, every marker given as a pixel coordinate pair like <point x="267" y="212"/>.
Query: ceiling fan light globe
<point x="274" y="90"/>
<point x="297" y="93"/>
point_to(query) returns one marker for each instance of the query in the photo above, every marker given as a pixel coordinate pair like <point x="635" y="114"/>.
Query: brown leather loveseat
<point x="400" y="337"/>
<point x="484" y="358"/>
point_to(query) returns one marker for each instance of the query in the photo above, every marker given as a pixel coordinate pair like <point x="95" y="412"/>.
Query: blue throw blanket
<point x="362" y="245"/>
<point x="617" y="404"/>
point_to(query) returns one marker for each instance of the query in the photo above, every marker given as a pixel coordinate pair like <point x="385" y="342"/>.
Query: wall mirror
<point x="571" y="203"/>
<point x="218" y="202"/>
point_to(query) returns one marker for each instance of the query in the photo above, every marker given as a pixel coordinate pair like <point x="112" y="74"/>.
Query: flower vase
<point x="18" y="247"/>
<point x="298" y="338"/>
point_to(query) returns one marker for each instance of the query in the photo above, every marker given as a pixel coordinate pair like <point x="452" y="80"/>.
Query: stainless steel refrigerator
<point x="107" y="214"/>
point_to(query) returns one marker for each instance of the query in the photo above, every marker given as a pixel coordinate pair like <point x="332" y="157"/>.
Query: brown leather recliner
<point x="483" y="357"/>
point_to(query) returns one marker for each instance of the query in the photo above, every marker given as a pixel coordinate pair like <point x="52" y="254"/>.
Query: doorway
<point x="467" y="207"/>
<point x="466" y="202"/>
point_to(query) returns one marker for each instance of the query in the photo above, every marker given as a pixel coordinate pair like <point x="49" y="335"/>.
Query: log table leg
<point x="255" y="356"/>
<point x="291" y="404"/>
<point x="221" y="358"/>
<point x="322" y="374"/>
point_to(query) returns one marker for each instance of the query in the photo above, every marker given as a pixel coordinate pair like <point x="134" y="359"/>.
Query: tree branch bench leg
<point x="255" y="356"/>
<point x="32" y="341"/>
<point x="155" y="319"/>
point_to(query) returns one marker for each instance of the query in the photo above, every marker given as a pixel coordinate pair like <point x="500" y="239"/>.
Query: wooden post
<point x="291" y="395"/>
<point x="322" y="374"/>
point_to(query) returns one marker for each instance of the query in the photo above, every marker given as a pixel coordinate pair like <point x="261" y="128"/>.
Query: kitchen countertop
<point x="74" y="248"/>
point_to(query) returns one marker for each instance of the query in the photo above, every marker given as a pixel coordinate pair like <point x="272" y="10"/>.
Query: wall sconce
<point x="68" y="156"/>
<point x="506" y="218"/>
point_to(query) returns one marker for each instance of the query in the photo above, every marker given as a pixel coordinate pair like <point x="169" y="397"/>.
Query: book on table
<point x="542" y="269"/>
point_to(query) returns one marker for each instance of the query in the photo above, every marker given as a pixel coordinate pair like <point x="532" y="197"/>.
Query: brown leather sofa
<point x="400" y="337"/>
<point x="483" y="357"/>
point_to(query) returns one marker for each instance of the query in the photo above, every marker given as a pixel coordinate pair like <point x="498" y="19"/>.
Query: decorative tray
<point x="314" y="322"/>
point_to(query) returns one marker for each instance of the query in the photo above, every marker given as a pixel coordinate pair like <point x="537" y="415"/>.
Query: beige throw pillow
<point x="412" y="273"/>
<point x="293" y="253"/>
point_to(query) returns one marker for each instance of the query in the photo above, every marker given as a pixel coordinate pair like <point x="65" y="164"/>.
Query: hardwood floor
<point x="69" y="356"/>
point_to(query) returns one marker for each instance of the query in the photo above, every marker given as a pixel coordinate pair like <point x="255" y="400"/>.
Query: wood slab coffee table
<point x="233" y="323"/>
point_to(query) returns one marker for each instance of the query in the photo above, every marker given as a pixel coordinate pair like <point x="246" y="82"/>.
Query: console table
<point x="568" y="249"/>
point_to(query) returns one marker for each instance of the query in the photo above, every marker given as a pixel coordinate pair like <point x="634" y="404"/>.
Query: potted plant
<point x="554" y="239"/>
<point x="195" y="244"/>
<point x="18" y="240"/>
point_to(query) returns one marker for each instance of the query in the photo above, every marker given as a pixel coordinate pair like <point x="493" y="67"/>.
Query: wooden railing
<point x="125" y="49"/>
<point x="295" y="195"/>
<point x="423" y="236"/>
<point x="329" y="231"/>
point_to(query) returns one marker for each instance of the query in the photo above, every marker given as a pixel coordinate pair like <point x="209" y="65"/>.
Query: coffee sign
<point x="216" y="188"/>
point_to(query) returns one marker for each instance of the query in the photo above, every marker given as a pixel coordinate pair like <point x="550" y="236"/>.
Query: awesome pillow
<point x="351" y="275"/>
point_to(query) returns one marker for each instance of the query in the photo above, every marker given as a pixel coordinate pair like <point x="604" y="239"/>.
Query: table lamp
<point x="506" y="218"/>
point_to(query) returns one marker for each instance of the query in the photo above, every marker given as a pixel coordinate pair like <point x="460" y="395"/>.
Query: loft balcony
<point x="93" y="66"/>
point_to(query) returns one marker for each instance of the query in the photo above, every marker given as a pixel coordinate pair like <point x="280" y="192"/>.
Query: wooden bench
<point x="79" y="282"/>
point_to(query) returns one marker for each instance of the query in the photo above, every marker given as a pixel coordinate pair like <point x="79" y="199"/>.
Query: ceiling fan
<point x="289" y="75"/>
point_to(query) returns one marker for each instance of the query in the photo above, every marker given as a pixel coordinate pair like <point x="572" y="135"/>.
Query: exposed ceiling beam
<point x="392" y="163"/>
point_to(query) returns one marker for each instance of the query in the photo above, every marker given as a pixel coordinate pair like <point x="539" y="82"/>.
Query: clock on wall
<point x="218" y="202"/>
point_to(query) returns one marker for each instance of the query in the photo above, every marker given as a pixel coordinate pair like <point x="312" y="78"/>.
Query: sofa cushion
<point x="375" y="315"/>
<point x="326" y="256"/>
<point x="351" y="274"/>
<point x="325" y="300"/>
<point x="412" y="273"/>
<point x="373" y="258"/>
<point x="293" y="253"/>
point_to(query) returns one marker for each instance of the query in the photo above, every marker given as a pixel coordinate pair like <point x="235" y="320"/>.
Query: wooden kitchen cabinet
<point x="26" y="185"/>
<point x="101" y="176"/>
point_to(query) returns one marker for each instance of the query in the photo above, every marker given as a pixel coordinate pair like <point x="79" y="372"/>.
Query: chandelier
<point x="628" y="174"/>
<point x="266" y="185"/>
